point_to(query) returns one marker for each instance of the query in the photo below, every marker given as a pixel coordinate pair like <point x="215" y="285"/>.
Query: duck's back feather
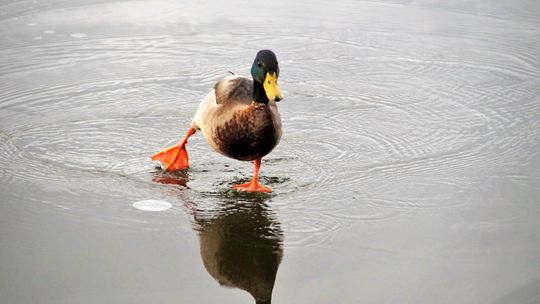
<point x="234" y="89"/>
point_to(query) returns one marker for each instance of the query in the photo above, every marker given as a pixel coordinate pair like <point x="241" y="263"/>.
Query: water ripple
<point x="378" y="117"/>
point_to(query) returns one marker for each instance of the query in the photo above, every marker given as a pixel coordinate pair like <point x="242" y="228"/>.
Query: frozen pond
<point x="408" y="170"/>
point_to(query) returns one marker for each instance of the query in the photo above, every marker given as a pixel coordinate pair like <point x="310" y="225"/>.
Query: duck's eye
<point x="259" y="64"/>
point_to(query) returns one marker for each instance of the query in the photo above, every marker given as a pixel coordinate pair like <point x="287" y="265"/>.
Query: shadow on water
<point x="241" y="240"/>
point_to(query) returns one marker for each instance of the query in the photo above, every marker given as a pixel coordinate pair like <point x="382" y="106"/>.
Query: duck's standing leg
<point x="175" y="157"/>
<point x="253" y="185"/>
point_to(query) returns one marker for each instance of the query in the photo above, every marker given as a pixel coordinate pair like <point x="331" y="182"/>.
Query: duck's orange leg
<point x="175" y="157"/>
<point x="253" y="185"/>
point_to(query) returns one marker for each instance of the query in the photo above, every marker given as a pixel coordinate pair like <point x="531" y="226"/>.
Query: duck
<point x="239" y="118"/>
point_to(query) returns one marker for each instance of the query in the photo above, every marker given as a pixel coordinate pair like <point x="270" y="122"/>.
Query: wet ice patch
<point x="152" y="205"/>
<point x="49" y="32"/>
<point x="79" y="35"/>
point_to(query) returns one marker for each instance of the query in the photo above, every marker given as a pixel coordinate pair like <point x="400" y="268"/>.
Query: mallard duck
<point x="238" y="118"/>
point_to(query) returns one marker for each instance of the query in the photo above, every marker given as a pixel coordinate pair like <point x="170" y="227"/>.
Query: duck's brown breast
<point x="251" y="133"/>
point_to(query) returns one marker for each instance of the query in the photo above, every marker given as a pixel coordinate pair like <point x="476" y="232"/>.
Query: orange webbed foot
<point x="172" y="158"/>
<point x="252" y="186"/>
<point x="175" y="157"/>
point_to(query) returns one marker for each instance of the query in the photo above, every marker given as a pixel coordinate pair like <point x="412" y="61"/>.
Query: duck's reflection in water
<point x="241" y="241"/>
<point x="241" y="246"/>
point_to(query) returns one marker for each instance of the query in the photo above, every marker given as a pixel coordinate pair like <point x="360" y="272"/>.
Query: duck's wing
<point x="234" y="89"/>
<point x="220" y="103"/>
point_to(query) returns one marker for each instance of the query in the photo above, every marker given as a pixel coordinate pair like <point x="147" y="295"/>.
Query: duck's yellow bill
<point x="271" y="87"/>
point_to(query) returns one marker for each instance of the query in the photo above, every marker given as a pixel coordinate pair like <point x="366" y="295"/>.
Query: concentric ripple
<point x="380" y="118"/>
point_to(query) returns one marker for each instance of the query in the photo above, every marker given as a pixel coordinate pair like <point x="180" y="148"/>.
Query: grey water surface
<point x="408" y="170"/>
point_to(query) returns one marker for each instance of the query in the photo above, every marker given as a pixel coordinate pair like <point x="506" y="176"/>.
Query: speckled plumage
<point x="235" y="125"/>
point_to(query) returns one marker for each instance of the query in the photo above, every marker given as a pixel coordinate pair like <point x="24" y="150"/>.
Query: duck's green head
<point x="265" y="70"/>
